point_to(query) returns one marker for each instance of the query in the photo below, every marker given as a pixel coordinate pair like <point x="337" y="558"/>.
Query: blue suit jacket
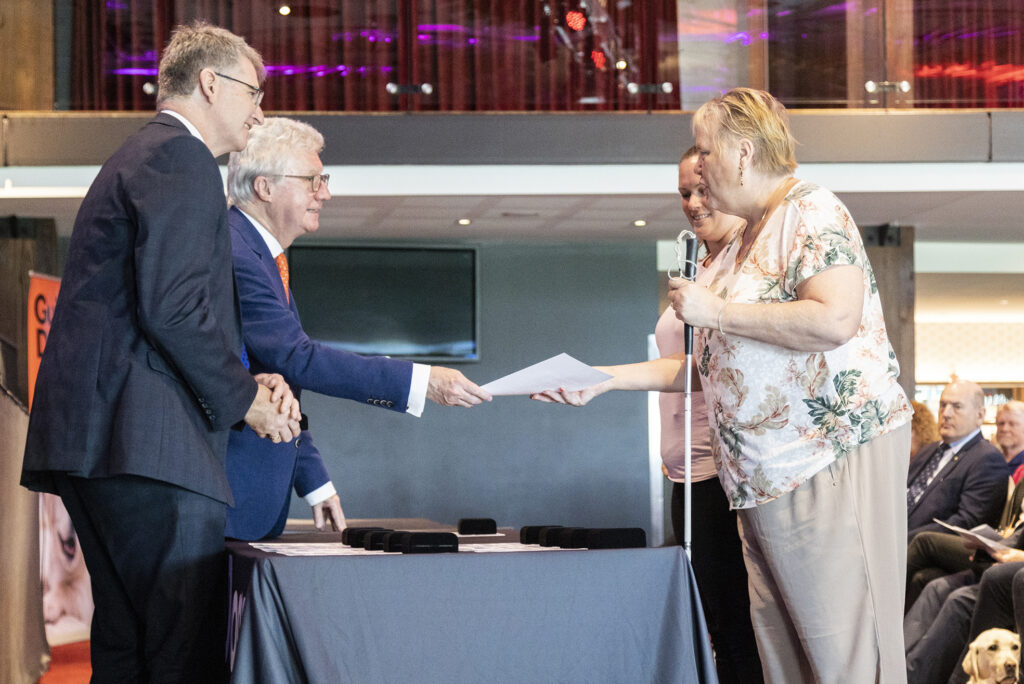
<point x="969" y="491"/>
<point x="141" y="374"/>
<point x="262" y="473"/>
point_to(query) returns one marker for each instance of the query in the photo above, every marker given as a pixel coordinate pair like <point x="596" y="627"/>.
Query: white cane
<point x="687" y="269"/>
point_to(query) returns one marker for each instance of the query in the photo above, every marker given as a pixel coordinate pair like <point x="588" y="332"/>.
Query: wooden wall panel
<point x="892" y="258"/>
<point x="26" y="55"/>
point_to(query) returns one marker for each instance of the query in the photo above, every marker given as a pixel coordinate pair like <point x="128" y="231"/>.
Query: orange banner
<point x="42" y="298"/>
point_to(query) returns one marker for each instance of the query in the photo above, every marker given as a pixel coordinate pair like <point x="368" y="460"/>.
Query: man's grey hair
<point x="1013" y="405"/>
<point x="199" y="46"/>
<point x="271" y="150"/>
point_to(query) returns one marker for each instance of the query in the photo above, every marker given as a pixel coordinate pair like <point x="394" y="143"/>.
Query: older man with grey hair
<point x="277" y="188"/>
<point x="1010" y="436"/>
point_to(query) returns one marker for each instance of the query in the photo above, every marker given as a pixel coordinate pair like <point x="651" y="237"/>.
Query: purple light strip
<point x="450" y="28"/>
<point x="134" y="71"/>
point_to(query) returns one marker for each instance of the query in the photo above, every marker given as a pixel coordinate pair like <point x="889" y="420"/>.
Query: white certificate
<point x="558" y="372"/>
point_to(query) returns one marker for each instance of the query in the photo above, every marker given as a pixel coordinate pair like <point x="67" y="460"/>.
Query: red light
<point x="575" y="20"/>
<point x="990" y="73"/>
<point x="598" y="58"/>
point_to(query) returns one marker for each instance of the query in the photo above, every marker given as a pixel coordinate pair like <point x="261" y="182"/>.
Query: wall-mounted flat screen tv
<point x="409" y="302"/>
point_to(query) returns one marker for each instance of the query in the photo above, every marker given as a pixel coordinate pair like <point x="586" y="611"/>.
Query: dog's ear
<point x="970" y="663"/>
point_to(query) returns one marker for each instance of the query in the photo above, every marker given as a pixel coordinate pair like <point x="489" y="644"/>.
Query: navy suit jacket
<point x="969" y="491"/>
<point x="262" y="473"/>
<point x="141" y="372"/>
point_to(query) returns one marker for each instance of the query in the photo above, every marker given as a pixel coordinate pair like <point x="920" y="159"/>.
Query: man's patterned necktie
<point x="925" y="475"/>
<point x="282" y="268"/>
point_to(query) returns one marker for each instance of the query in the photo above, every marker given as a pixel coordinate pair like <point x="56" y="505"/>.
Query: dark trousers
<point x="721" y="578"/>
<point x="1000" y="604"/>
<point x="936" y="627"/>
<point x="155" y="554"/>
<point x="936" y="554"/>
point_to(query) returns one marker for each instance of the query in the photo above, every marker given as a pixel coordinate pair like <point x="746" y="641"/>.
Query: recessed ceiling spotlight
<point x="284" y="10"/>
<point x="464" y="221"/>
<point x="640" y="223"/>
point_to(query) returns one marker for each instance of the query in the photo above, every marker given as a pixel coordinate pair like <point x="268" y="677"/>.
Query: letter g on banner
<point x="42" y="299"/>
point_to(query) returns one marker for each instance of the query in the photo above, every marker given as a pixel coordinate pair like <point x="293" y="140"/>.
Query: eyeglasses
<point x="315" y="181"/>
<point x="255" y="93"/>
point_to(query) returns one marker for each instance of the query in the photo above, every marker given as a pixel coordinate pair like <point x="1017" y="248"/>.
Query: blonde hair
<point x="199" y="46"/>
<point x="923" y="428"/>
<point x="269" y="152"/>
<point x="754" y="115"/>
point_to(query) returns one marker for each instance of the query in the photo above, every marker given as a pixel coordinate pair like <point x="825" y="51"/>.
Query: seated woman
<point x="923" y="429"/>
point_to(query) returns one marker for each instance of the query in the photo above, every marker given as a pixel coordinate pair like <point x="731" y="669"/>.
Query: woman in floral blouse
<point x="810" y="428"/>
<point x="717" y="555"/>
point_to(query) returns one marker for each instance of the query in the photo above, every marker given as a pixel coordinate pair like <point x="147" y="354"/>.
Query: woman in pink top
<point x="717" y="554"/>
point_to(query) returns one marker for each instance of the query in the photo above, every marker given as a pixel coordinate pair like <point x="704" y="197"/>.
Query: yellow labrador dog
<point x="993" y="658"/>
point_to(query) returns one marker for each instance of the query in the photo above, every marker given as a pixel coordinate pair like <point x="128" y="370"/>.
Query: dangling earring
<point x="741" y="173"/>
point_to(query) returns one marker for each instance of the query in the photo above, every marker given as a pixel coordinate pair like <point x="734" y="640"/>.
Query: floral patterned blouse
<point x="779" y="416"/>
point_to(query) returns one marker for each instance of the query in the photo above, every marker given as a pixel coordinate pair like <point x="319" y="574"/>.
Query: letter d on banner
<point x="42" y="299"/>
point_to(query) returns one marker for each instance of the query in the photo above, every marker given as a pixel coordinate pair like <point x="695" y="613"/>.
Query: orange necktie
<point x="282" y="268"/>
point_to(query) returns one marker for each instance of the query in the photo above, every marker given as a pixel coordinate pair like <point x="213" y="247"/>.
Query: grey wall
<point x="515" y="460"/>
<point x="835" y="135"/>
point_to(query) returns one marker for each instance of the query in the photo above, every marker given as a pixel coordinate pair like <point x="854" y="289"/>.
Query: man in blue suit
<point x="276" y="186"/>
<point x="141" y="377"/>
<point x="961" y="479"/>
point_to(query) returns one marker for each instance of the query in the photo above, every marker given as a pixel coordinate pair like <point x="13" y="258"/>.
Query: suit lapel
<point x="957" y="459"/>
<point x="950" y="467"/>
<point x="258" y="245"/>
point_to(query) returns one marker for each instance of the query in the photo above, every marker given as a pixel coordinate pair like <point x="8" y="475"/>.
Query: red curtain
<point x="969" y="53"/>
<point x="476" y="55"/>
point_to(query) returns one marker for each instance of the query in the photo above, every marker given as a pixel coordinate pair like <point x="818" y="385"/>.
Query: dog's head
<point x="994" y="657"/>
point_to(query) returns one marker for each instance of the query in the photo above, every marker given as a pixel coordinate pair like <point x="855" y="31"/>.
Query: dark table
<point x="622" y="616"/>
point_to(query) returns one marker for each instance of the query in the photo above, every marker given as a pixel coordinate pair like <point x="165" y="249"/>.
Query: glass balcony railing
<point x="572" y="55"/>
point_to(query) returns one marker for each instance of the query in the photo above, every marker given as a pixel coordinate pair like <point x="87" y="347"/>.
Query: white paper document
<point x="562" y="371"/>
<point x="313" y="549"/>
<point x="982" y="535"/>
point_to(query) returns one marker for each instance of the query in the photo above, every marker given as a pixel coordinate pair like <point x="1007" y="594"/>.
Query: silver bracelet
<point x="720" y="312"/>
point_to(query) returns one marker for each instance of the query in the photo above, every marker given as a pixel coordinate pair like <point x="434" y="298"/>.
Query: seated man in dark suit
<point x="961" y="479"/>
<point x="276" y="186"/>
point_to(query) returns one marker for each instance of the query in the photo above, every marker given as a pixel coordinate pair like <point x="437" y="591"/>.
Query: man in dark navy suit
<point x="277" y="187"/>
<point x="141" y="377"/>
<point x="967" y="486"/>
<point x="962" y="478"/>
